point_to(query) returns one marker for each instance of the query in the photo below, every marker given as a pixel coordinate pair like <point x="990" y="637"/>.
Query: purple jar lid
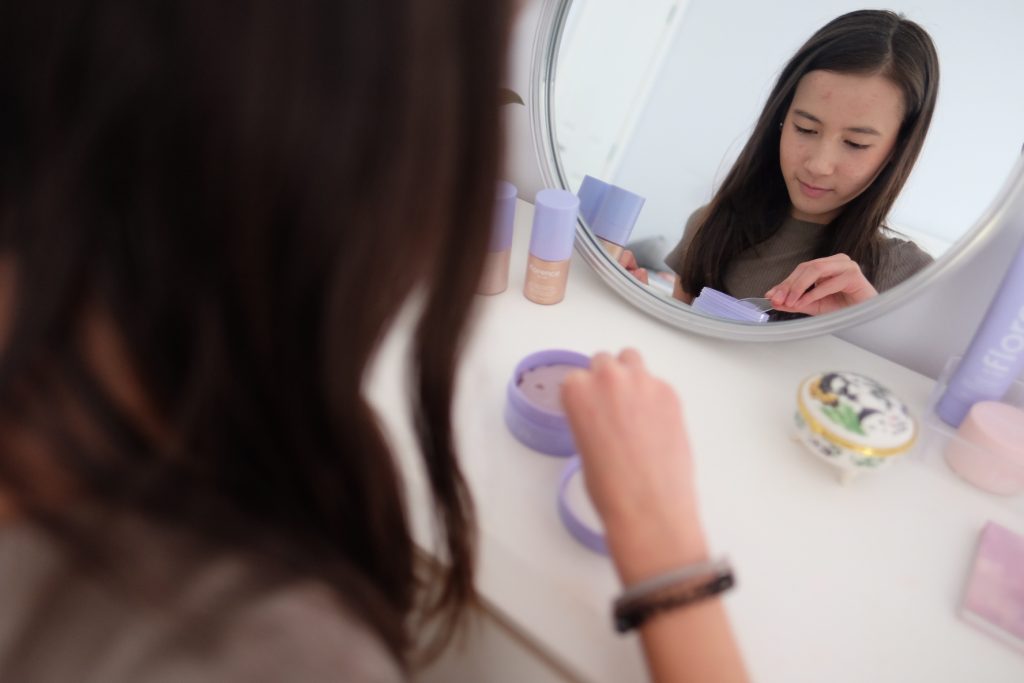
<point x="504" y="216"/>
<point x="616" y="215"/>
<point x="580" y="530"/>
<point x="591" y="193"/>
<point x="538" y="423"/>
<point x="554" y="224"/>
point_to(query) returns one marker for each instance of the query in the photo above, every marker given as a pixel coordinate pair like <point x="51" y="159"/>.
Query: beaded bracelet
<point x="677" y="588"/>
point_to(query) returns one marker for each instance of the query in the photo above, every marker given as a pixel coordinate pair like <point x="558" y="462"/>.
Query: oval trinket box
<point x="852" y="422"/>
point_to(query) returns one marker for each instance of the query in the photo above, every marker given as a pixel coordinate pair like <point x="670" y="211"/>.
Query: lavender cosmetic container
<point x="995" y="356"/>
<point x="494" y="279"/>
<point x="580" y="530"/>
<point x="504" y="216"/>
<point x="534" y="414"/>
<point x="615" y="217"/>
<point x="591" y="194"/>
<point x="551" y="243"/>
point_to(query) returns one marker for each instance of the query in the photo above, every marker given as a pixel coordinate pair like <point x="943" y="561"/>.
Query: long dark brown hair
<point x="239" y="197"/>
<point x="753" y="201"/>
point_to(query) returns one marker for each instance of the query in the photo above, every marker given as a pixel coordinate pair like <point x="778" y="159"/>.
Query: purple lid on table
<point x="591" y="193"/>
<point x="554" y="224"/>
<point x="616" y="215"/>
<point x="533" y="413"/>
<point x="579" y="529"/>
<point x="504" y="216"/>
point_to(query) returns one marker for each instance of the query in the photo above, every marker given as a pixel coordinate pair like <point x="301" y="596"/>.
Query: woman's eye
<point x="854" y="145"/>
<point x="803" y="131"/>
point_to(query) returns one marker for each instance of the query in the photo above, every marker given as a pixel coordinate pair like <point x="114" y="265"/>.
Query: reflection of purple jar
<point x="533" y="411"/>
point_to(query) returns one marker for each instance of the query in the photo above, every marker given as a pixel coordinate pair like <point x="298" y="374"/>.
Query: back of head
<point x="863" y="42"/>
<point x="212" y="212"/>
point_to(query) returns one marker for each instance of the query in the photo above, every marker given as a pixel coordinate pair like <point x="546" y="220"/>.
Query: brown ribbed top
<point x="758" y="269"/>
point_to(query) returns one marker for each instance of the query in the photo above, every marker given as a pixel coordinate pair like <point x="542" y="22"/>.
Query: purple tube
<point x="995" y="356"/>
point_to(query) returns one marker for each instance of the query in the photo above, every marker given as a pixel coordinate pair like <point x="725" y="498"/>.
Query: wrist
<point x="641" y="551"/>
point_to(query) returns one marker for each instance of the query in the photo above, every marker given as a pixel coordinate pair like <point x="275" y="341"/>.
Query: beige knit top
<point x="758" y="269"/>
<point x="215" y="624"/>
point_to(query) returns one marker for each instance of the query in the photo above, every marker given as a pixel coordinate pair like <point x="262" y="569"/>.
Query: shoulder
<point x="302" y="632"/>
<point x="297" y="632"/>
<point x="899" y="259"/>
<point x="694" y="221"/>
<point x="199" y="619"/>
<point x="675" y="258"/>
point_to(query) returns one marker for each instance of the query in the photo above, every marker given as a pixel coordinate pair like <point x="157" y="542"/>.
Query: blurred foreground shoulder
<point x="203" y="620"/>
<point x="301" y="633"/>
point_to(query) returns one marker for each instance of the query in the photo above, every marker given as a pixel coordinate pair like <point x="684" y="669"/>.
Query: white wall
<point x="922" y="333"/>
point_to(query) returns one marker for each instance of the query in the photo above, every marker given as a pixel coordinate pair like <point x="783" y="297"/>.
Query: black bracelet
<point x="633" y="614"/>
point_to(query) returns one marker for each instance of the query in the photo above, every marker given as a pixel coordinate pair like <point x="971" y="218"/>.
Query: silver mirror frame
<point x="552" y="20"/>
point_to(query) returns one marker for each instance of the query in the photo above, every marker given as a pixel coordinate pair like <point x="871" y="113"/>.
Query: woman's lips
<point x="810" y="190"/>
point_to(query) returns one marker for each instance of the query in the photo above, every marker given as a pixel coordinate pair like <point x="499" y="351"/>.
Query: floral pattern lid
<point x="856" y="413"/>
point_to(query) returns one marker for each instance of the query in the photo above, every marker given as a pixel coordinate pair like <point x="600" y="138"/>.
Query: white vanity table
<point x="855" y="583"/>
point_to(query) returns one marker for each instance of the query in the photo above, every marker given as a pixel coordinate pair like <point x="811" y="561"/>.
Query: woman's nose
<point x="821" y="160"/>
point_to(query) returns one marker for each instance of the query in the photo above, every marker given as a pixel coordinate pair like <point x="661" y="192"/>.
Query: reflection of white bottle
<point x="995" y="356"/>
<point x="615" y="217"/>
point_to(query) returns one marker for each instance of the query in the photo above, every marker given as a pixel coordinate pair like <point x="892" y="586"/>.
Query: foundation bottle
<point x="614" y="219"/>
<point x="551" y="241"/>
<point x="495" y="275"/>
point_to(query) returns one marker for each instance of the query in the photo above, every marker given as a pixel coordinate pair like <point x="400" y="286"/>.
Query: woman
<point x="800" y="217"/>
<point x="210" y="214"/>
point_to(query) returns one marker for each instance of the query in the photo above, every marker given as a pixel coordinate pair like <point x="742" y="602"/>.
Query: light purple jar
<point x="533" y="412"/>
<point x="580" y="529"/>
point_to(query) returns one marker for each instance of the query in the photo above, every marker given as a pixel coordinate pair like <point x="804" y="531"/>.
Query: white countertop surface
<point x="835" y="583"/>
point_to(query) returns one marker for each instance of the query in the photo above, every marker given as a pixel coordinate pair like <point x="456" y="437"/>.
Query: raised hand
<point x="822" y="286"/>
<point x="628" y="261"/>
<point x="629" y="431"/>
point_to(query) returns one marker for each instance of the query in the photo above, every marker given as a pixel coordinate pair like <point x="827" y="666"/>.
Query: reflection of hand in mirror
<point x="833" y="147"/>
<point x="821" y="286"/>
<point x="628" y="261"/>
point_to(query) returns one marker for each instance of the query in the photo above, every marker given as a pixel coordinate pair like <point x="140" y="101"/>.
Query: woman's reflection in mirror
<point x="801" y="216"/>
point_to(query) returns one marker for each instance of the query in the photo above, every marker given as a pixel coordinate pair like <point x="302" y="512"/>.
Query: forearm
<point x="691" y="643"/>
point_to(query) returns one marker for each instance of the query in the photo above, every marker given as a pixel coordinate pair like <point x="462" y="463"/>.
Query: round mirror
<point x="659" y="98"/>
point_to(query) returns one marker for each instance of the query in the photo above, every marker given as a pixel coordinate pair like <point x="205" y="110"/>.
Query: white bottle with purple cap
<point x="495" y="276"/>
<point x="551" y="242"/>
